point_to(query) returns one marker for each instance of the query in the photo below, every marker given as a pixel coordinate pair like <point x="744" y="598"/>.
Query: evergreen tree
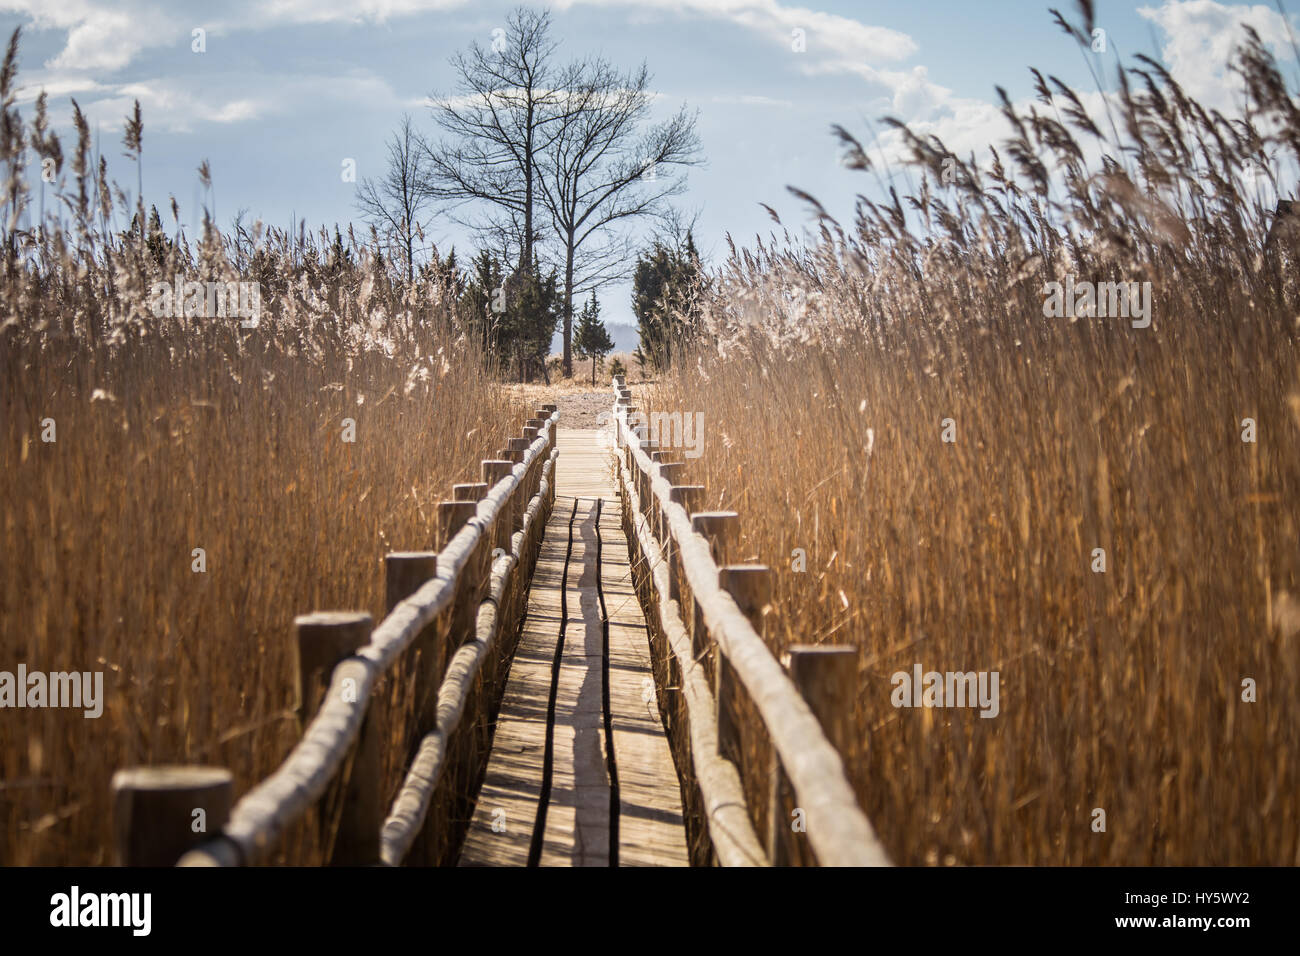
<point x="533" y="308"/>
<point x="663" y="292"/>
<point x="591" y="339"/>
<point x="481" y="306"/>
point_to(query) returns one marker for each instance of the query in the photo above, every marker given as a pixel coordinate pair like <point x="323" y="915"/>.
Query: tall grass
<point x="825" y="373"/>
<point x="178" y="434"/>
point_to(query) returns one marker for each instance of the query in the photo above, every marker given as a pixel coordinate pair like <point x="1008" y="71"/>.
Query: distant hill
<point x="625" y="339"/>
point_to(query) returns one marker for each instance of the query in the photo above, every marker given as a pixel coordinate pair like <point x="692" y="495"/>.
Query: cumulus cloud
<point x="1199" y="37"/>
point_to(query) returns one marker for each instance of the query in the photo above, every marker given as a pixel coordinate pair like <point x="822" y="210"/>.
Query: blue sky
<point x="286" y="91"/>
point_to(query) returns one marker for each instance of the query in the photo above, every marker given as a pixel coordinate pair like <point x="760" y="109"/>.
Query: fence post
<point x="715" y="527"/>
<point x="452" y="516"/>
<point x="405" y="573"/>
<point x="472" y="491"/>
<point x="324" y="639"/>
<point x="826" y="677"/>
<point x="750" y="585"/>
<point x="156" y="810"/>
<point x="688" y="496"/>
<point x="496" y="470"/>
<point x="671" y="472"/>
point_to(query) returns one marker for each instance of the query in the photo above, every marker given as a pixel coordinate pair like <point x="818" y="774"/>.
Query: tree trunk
<point x="568" y="307"/>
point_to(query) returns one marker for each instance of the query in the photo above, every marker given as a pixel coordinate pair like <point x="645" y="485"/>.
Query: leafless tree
<point x="604" y="168"/>
<point x="498" y="120"/>
<point x="397" y="204"/>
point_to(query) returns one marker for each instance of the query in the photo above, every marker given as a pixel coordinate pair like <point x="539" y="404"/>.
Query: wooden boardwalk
<point x="580" y="772"/>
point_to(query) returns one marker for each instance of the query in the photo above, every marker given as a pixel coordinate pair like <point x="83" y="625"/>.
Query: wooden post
<point x="826" y="677"/>
<point x="405" y="572"/>
<point x="670" y="472"/>
<point x="452" y="516"/>
<point x="324" y="639"/>
<point x="518" y="447"/>
<point x="495" y="470"/>
<point x="688" y="496"/>
<point x="643" y="489"/>
<point x="470" y="491"/>
<point x="715" y="527"/>
<point x="750" y="585"/>
<point x="156" y="811"/>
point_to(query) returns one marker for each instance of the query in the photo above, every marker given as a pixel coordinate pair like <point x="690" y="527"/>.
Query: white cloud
<point x="751" y="100"/>
<point x="1200" y="36"/>
<point x="834" y="44"/>
<point x="108" y="36"/>
<point x="180" y="104"/>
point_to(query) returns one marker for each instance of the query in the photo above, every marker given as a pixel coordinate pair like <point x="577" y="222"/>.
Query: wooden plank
<point x="578" y="818"/>
<point x="501" y="830"/>
<point x="578" y="812"/>
<point x="651" y="831"/>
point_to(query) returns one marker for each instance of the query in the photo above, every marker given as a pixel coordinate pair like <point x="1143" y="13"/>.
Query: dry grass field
<point x="826" y="377"/>
<point x="294" y="454"/>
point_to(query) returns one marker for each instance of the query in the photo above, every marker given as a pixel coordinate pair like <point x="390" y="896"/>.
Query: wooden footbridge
<point x="581" y="773"/>
<point x="576" y="678"/>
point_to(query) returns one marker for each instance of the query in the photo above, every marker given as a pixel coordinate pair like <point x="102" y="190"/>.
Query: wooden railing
<point x="763" y="740"/>
<point x="449" y="613"/>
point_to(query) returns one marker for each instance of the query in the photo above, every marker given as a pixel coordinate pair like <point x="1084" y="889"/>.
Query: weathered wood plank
<point x="651" y="831"/>
<point x="578" y="813"/>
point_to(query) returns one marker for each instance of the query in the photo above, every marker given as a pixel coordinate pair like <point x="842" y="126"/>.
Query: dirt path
<point x="579" y="407"/>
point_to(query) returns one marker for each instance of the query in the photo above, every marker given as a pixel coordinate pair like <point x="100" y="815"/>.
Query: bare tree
<point x="602" y="169"/>
<point x="495" y="124"/>
<point x="397" y="203"/>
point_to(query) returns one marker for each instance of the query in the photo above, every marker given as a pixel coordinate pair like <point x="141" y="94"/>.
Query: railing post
<point x="496" y="470"/>
<point x="452" y="516"/>
<point x="826" y="677"/>
<point x="671" y="472"/>
<point x="688" y="496"/>
<point x="323" y="640"/>
<point x="405" y="573"/>
<point x="750" y="585"/>
<point x="475" y="491"/>
<point x="156" y="811"/>
<point x="715" y="527"/>
<point x="644" y="479"/>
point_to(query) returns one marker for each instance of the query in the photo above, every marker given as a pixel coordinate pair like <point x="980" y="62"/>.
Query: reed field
<point x="128" y="441"/>
<point x="829" y="375"/>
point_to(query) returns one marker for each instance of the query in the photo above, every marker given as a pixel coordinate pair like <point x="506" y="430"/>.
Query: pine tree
<point x="663" y="290"/>
<point x="591" y="339"/>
